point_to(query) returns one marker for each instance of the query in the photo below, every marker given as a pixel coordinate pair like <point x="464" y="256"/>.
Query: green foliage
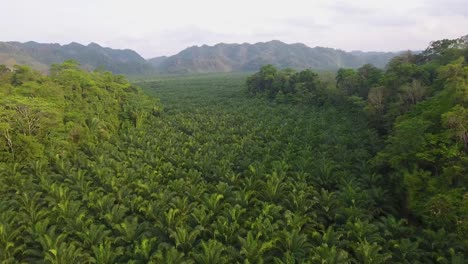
<point x="445" y="50"/>
<point x="426" y="150"/>
<point x="94" y="171"/>
<point x="358" y="83"/>
<point x="288" y="86"/>
<point x="418" y="105"/>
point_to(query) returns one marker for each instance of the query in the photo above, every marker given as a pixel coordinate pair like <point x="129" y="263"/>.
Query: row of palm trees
<point x="246" y="182"/>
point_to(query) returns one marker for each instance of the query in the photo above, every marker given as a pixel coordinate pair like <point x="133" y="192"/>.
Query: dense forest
<point x="418" y="105"/>
<point x="286" y="167"/>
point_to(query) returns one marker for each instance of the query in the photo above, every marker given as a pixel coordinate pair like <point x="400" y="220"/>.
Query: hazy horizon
<point x="155" y="28"/>
<point x="200" y="45"/>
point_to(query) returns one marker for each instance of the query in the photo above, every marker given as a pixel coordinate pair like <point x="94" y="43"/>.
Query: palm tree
<point x="9" y="236"/>
<point x="57" y="250"/>
<point x="327" y="204"/>
<point x="116" y="214"/>
<point x="326" y="254"/>
<point x="213" y="202"/>
<point x="131" y="230"/>
<point x="274" y="188"/>
<point x="106" y="253"/>
<point x="243" y="197"/>
<point x="144" y="249"/>
<point x="325" y="173"/>
<point x="294" y="243"/>
<point x="184" y="239"/>
<point x="169" y="256"/>
<point x="202" y="216"/>
<point x="330" y="236"/>
<point x="94" y="234"/>
<point x="212" y="252"/>
<point x="362" y="231"/>
<point x="31" y="209"/>
<point x="225" y="230"/>
<point x="79" y="180"/>
<point x="368" y="253"/>
<point x="253" y="249"/>
<point x="406" y="251"/>
<point x="441" y="244"/>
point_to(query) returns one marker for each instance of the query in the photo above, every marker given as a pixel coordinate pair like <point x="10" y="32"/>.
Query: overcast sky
<point x="154" y="28"/>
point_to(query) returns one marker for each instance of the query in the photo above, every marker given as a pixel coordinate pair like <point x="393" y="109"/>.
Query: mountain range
<point x="204" y="59"/>
<point x="41" y="56"/>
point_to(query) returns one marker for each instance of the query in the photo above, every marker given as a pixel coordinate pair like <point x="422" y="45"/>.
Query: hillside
<point x="41" y="56"/>
<point x="249" y="57"/>
<point x="219" y="58"/>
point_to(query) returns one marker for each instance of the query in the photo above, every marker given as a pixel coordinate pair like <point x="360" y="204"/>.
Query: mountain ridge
<point x="224" y="57"/>
<point x="221" y="57"/>
<point x="41" y="55"/>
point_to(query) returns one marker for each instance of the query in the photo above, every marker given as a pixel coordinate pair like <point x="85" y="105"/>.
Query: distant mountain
<point x="155" y="62"/>
<point x="219" y="58"/>
<point x="41" y="56"/>
<point x="250" y="57"/>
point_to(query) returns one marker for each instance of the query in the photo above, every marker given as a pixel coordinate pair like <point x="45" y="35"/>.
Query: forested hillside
<point x="41" y="56"/>
<point x="205" y="59"/>
<point x="249" y="57"/>
<point x="50" y="128"/>
<point x="277" y="167"/>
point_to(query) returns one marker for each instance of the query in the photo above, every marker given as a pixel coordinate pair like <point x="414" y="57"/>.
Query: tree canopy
<point x="366" y="166"/>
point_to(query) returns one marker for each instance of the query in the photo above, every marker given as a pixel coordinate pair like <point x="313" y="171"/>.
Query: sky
<point x="155" y="28"/>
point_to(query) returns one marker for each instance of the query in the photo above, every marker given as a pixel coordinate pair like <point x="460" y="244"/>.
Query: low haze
<point x="155" y="28"/>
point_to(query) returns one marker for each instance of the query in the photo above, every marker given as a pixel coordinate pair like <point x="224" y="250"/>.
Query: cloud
<point x="371" y="16"/>
<point x="447" y="8"/>
<point x="304" y="23"/>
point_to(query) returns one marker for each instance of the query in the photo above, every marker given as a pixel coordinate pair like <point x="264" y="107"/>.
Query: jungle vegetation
<point x="286" y="167"/>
